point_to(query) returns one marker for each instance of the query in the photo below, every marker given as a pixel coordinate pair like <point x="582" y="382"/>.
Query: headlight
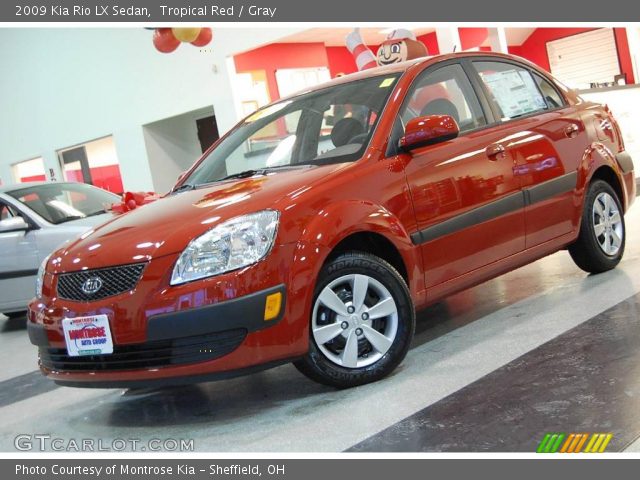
<point x="40" y="277"/>
<point x="233" y="244"/>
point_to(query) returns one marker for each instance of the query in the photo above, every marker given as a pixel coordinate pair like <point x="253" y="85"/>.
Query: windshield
<point x="331" y="125"/>
<point x="62" y="202"/>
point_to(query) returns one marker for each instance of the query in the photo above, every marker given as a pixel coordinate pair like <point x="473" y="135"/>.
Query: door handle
<point x="571" y="130"/>
<point x="495" y="150"/>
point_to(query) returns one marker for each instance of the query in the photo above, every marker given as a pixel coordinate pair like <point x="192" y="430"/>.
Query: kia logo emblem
<point x="92" y="285"/>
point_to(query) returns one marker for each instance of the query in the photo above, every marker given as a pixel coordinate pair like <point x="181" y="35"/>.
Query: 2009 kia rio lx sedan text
<point x="313" y="230"/>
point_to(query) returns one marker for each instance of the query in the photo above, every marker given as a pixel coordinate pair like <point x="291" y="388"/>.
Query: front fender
<point x="325" y="231"/>
<point x="339" y="220"/>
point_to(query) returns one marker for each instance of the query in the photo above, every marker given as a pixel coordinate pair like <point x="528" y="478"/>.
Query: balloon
<point x="164" y="41"/>
<point x="187" y="35"/>
<point x="204" y="38"/>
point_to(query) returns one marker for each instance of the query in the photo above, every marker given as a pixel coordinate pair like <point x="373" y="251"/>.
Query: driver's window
<point x="445" y="91"/>
<point x="270" y="146"/>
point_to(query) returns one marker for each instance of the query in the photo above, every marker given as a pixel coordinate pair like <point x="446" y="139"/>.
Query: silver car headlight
<point x="40" y="277"/>
<point x="233" y="244"/>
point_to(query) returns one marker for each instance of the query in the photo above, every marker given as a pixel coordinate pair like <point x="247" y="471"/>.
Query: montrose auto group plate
<point x="87" y="335"/>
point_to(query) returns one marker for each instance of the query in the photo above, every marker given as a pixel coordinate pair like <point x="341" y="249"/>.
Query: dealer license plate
<point x="87" y="335"/>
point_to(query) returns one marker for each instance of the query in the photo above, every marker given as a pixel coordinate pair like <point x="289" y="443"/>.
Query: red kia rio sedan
<point x="315" y="228"/>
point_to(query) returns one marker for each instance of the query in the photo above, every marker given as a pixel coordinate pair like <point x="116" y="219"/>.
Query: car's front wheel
<point x="362" y="322"/>
<point x="601" y="242"/>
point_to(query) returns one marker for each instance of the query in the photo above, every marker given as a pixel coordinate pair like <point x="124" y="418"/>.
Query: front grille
<point x="160" y="353"/>
<point x="112" y="281"/>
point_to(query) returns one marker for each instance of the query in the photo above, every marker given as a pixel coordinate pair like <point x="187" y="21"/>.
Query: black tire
<point x="586" y="251"/>
<point x="318" y="367"/>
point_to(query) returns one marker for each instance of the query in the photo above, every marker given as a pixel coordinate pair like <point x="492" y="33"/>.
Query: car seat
<point x="345" y="130"/>
<point x="441" y="106"/>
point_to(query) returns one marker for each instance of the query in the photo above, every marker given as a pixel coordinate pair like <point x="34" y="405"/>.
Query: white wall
<point x="173" y="146"/>
<point x="64" y="86"/>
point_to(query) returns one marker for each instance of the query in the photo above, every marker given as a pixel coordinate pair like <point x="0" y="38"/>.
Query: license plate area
<point x="87" y="335"/>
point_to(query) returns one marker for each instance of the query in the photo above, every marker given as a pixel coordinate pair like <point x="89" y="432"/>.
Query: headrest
<point x="441" y="106"/>
<point x="344" y="130"/>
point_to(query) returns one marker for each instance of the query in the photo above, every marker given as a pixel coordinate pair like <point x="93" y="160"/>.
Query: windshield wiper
<point x="70" y="218"/>
<point x="97" y="212"/>
<point x="260" y="171"/>
<point x="183" y="188"/>
<point x="244" y="174"/>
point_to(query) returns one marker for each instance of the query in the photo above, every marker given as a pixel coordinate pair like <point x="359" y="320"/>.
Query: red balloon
<point x="164" y="40"/>
<point x="204" y="38"/>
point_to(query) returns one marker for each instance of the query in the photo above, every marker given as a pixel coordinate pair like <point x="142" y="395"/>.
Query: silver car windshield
<point x="330" y="125"/>
<point x="63" y="202"/>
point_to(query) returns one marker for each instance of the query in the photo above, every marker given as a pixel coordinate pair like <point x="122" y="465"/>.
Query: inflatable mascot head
<point x="399" y="46"/>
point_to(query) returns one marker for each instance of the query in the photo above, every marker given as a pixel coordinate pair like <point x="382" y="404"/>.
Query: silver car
<point x="35" y="219"/>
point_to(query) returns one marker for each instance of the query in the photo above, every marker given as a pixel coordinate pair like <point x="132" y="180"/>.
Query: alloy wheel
<point x="355" y="321"/>
<point x="607" y="224"/>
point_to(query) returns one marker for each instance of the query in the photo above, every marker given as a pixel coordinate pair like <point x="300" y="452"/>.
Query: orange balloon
<point x="187" y="35"/>
<point x="204" y="38"/>
<point x="164" y="41"/>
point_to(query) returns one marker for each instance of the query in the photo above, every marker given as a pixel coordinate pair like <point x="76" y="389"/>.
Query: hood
<point x="167" y="225"/>
<point x="88" y="222"/>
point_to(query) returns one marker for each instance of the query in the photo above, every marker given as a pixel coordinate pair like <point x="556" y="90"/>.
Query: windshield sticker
<point x="386" y="82"/>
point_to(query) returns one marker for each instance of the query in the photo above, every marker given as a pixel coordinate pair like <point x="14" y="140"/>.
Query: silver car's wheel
<point x="354" y="321"/>
<point x="607" y="224"/>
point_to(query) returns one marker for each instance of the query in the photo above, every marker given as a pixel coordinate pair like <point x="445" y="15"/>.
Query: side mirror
<point x="14" y="224"/>
<point x="428" y="130"/>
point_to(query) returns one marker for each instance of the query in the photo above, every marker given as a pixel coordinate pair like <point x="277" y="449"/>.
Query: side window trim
<point x="535" y="76"/>
<point x="490" y="114"/>
<point x="398" y="126"/>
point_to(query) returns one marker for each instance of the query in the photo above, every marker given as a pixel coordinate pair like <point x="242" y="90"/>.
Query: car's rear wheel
<point x="601" y="242"/>
<point x="362" y="322"/>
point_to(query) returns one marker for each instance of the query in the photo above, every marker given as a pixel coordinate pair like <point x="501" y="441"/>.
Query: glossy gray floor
<point x="458" y="342"/>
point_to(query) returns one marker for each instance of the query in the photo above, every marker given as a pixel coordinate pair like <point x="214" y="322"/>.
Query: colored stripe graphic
<point x="581" y="443"/>
<point x="567" y="442"/>
<point x="543" y="443"/>
<point x="574" y="443"/>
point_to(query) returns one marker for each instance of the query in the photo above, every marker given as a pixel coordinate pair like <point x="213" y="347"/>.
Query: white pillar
<point x="52" y="165"/>
<point x="633" y="37"/>
<point x="448" y="39"/>
<point x="498" y="40"/>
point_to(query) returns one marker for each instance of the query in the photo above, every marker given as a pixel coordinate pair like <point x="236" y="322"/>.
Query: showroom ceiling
<point x="334" y="36"/>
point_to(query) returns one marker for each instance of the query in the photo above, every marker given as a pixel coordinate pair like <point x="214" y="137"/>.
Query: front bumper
<point x="179" y="338"/>
<point x="203" y="330"/>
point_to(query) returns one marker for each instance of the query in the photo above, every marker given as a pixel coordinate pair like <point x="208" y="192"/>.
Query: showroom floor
<point x="543" y="349"/>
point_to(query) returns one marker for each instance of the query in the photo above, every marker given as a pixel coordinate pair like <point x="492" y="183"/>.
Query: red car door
<point x="468" y="204"/>
<point x="546" y="138"/>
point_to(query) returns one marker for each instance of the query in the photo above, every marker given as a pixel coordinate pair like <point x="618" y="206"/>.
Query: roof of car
<point x="397" y="68"/>
<point x="19" y="186"/>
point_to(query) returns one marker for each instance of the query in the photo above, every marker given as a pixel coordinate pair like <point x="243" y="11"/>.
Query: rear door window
<point x="551" y="95"/>
<point x="512" y="88"/>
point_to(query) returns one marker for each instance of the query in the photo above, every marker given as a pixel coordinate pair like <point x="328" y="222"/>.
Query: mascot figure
<point x="399" y="46"/>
